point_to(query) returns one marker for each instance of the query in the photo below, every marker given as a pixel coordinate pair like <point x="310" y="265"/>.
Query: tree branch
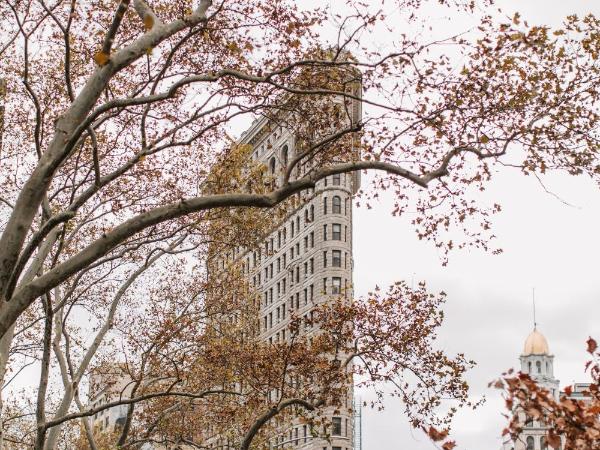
<point x="262" y="420"/>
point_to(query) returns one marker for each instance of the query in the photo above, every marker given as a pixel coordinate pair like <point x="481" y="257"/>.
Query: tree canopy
<point x="118" y="164"/>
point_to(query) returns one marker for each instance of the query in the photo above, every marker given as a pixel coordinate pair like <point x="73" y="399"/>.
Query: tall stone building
<point x="306" y="259"/>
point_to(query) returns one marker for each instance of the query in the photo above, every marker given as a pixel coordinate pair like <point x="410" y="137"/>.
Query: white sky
<point x="547" y="245"/>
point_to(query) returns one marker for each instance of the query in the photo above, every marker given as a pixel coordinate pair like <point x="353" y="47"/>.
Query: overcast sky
<point x="547" y="244"/>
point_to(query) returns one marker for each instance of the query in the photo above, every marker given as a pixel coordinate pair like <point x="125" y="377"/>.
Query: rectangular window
<point x="312" y="265"/>
<point x="297" y="248"/>
<point x="305" y="297"/>
<point x="336" y="179"/>
<point x="336" y="426"/>
<point x="291" y="253"/>
<point x="336" y="258"/>
<point x="305" y="243"/>
<point x="324" y="232"/>
<point x="312" y="291"/>
<point x="312" y="239"/>
<point x="324" y="259"/>
<point x="336" y="232"/>
<point x="336" y="285"/>
<point x="278" y="265"/>
<point x="324" y="205"/>
<point x="305" y="269"/>
<point x="324" y="285"/>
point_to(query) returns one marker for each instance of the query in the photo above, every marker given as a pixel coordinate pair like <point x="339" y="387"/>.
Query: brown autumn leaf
<point x="437" y="435"/>
<point x="553" y="440"/>
<point x="449" y="445"/>
<point x="101" y="58"/>
<point x="148" y="22"/>
<point x="592" y="345"/>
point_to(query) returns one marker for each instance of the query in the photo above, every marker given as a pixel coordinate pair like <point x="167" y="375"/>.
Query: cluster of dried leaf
<point x="119" y="182"/>
<point x="572" y="423"/>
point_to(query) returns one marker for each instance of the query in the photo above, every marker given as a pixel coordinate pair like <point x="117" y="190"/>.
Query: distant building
<point x="306" y="260"/>
<point x="106" y="387"/>
<point x="538" y="363"/>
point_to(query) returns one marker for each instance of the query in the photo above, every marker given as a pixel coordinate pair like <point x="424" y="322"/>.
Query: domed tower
<point x="537" y="361"/>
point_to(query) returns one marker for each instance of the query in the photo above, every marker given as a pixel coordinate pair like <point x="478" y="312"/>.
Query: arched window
<point x="530" y="443"/>
<point x="543" y="443"/>
<point x="284" y="155"/>
<point x="538" y="366"/>
<point x="272" y="166"/>
<point x="336" y="205"/>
